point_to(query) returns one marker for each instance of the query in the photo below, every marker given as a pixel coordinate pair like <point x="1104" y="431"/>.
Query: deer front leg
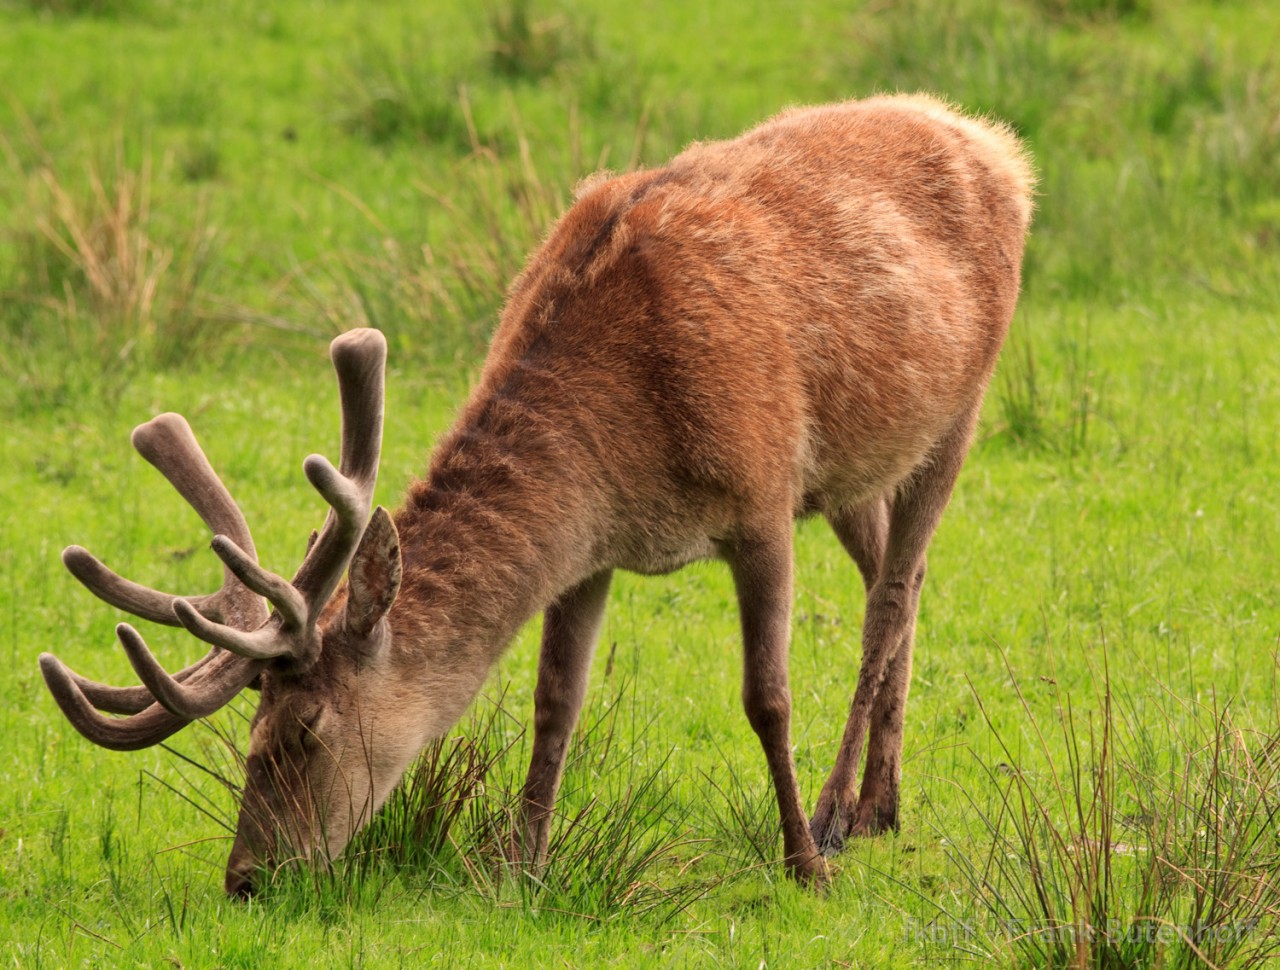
<point x="570" y="627"/>
<point x="762" y="577"/>
<point x="879" y="700"/>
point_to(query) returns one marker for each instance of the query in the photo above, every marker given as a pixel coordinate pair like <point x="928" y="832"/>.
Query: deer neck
<point x="488" y="539"/>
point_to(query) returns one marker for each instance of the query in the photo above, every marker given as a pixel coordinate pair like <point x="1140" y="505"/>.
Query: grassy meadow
<point x="194" y="198"/>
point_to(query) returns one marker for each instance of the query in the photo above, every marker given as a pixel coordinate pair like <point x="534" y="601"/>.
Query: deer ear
<point x="375" y="574"/>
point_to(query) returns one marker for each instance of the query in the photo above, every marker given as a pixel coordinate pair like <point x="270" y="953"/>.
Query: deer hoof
<point x="811" y="874"/>
<point x="875" y="821"/>
<point x="829" y="831"/>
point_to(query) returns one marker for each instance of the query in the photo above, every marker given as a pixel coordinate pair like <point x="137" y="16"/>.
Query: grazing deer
<point x="799" y="321"/>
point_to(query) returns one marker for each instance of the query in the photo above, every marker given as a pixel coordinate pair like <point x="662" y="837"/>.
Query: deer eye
<point x="308" y="722"/>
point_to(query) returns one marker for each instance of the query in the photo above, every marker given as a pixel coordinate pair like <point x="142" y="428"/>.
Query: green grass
<point x="193" y="199"/>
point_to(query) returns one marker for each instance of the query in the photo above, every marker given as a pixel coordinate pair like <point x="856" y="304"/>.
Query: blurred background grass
<point x="179" y="179"/>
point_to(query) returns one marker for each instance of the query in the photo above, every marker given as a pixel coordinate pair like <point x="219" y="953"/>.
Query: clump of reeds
<point x="1103" y="856"/>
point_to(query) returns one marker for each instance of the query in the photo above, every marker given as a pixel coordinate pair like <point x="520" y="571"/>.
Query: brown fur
<point x="802" y="320"/>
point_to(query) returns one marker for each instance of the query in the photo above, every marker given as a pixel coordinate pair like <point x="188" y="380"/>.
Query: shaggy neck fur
<point x="488" y="539"/>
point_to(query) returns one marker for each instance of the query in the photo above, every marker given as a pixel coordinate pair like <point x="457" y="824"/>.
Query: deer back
<point x="794" y="316"/>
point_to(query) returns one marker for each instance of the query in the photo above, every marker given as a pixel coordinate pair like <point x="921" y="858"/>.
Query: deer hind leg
<point x="762" y="568"/>
<point x="570" y="628"/>
<point x="888" y="634"/>
<point x="864" y="533"/>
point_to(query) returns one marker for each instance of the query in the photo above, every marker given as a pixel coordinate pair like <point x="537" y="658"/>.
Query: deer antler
<point x="234" y="619"/>
<point x="167" y="442"/>
<point x="359" y="357"/>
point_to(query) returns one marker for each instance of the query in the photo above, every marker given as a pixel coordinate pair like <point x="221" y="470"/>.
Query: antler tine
<point x="161" y="708"/>
<point x="124" y="594"/>
<point x="148" y="727"/>
<point x="359" y="357"/>
<point x="269" y="642"/>
<point x="279" y="637"/>
<point x="169" y="444"/>
<point x="128" y="700"/>
<point x="224" y="677"/>
<point x="166" y="441"/>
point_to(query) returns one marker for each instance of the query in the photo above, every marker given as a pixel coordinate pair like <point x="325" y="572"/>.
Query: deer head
<point x="316" y="768"/>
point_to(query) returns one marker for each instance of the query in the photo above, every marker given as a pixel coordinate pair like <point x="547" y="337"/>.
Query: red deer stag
<point x="799" y="321"/>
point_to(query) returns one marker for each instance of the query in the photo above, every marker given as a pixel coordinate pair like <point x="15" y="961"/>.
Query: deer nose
<point x="239" y="883"/>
